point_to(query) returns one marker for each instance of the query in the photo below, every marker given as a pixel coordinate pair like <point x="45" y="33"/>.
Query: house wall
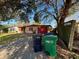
<point x="27" y="30"/>
<point x="14" y="29"/>
<point x="31" y="30"/>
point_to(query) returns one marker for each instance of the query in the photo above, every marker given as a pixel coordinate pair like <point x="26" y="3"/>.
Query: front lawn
<point x="7" y="38"/>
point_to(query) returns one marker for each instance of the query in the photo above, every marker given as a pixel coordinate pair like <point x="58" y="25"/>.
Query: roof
<point x="37" y="25"/>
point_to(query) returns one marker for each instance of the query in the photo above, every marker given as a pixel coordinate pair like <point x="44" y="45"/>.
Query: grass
<point x="9" y="37"/>
<point x="4" y="34"/>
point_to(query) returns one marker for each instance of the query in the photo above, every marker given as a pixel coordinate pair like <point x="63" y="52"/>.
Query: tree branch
<point x="74" y="3"/>
<point x="53" y="16"/>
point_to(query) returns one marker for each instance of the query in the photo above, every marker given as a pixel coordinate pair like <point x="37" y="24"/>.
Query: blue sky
<point x="11" y="21"/>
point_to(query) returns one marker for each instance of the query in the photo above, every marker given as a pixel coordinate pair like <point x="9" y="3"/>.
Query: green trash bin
<point x="49" y="45"/>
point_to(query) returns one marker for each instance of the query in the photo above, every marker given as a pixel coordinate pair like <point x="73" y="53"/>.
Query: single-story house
<point x="37" y="28"/>
<point x="17" y="29"/>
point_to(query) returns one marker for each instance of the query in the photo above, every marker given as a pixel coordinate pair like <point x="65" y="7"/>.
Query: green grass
<point x="4" y="34"/>
<point x="5" y="39"/>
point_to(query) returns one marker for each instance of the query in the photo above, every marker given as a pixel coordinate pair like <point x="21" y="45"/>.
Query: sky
<point x="11" y="21"/>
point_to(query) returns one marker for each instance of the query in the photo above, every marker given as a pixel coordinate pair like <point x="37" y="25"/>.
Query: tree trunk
<point x="63" y="15"/>
<point x="60" y="24"/>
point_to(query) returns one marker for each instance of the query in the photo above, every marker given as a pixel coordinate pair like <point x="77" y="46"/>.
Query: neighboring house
<point x="14" y="29"/>
<point x="36" y="28"/>
<point x="17" y="29"/>
<point x="20" y="28"/>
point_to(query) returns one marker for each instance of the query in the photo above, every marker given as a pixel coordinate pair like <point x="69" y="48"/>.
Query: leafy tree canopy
<point x="43" y="10"/>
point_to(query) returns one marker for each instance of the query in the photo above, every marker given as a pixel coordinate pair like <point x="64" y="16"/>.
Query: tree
<point x="2" y="27"/>
<point x="59" y="14"/>
<point x="9" y="9"/>
<point x="74" y="8"/>
<point x="33" y="6"/>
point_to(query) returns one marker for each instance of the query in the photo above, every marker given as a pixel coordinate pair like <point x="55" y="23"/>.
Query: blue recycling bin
<point x="37" y="45"/>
